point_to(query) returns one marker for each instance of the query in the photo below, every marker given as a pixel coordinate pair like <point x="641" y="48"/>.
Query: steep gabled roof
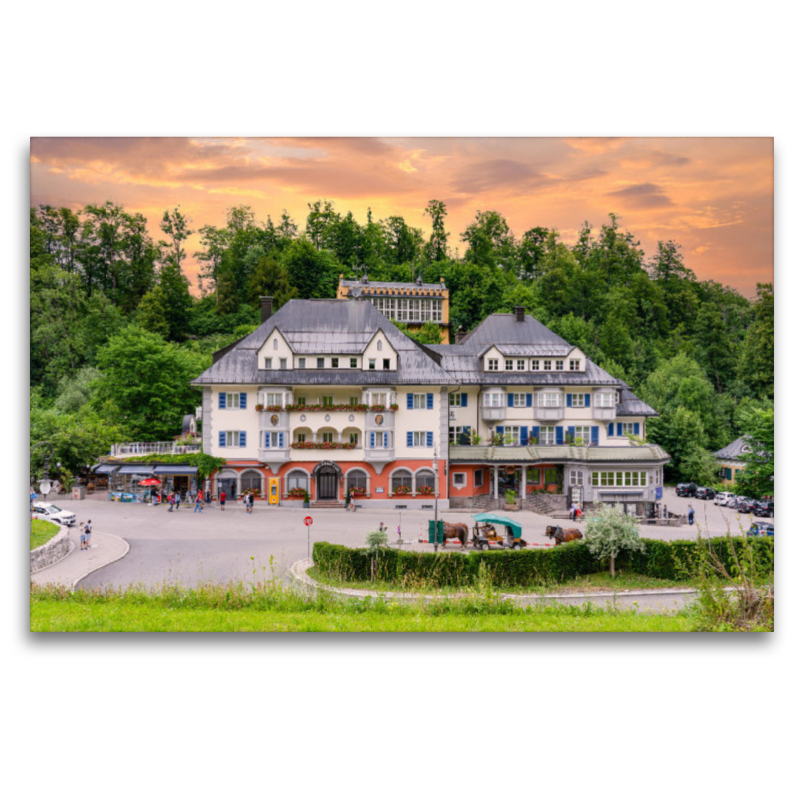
<point x="734" y="450"/>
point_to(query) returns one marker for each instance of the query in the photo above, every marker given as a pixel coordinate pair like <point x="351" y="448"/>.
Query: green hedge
<point x="674" y="560"/>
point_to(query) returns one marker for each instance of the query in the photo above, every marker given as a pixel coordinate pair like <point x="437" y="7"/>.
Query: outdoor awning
<point x="135" y="469"/>
<point x="497" y="519"/>
<point x="175" y="469"/>
<point x="106" y="469"/>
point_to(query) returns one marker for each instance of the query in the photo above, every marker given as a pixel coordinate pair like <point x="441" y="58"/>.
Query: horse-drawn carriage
<point x="486" y="535"/>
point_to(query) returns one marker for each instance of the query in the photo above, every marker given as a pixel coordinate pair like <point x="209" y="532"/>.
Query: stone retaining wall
<point x="52" y="551"/>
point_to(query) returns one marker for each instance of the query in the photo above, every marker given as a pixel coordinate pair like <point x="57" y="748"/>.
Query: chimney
<point x="460" y="334"/>
<point x="519" y="313"/>
<point x="266" y="309"/>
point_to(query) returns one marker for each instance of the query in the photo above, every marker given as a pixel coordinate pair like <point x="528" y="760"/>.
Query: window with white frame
<point x="455" y="400"/>
<point x="460" y="479"/>
<point x="300" y="400"/>
<point x="283" y="363"/>
<point x="372" y="363"/>
<point x="231" y="400"/>
<point x="419" y="438"/>
<point x="353" y="363"/>
<point x="578" y="400"/>
<point x="509" y="364"/>
<point x="604" y="400"/>
<point x="301" y="363"/>
<point x="618" y="396"/>
<point x="273" y="439"/>
<point x="334" y="363"/>
<point x="576" y="477"/>
<point x="521" y="364"/>
<point x="356" y="479"/>
<point x="455" y="434"/>
<point x="250" y="481"/>
<point x="547" y="365"/>
<point x="327" y="436"/>
<point x="627" y="428"/>
<point x="560" y="365"/>
<point x="401" y="478"/>
<point x="574" y="365"/>
<point x="511" y="435"/>
<point x="326" y="400"/>
<point x="425" y="478"/>
<point x="387" y="363"/>
<point x="355" y="400"/>
<point x="274" y="398"/>
<point x="320" y="363"/>
<point x="637" y="478"/>
<point x="493" y="365"/>
<point x="419" y="401"/>
<point x="519" y="400"/>
<point x="583" y="434"/>
<point x="232" y="438"/>
<point x="300" y="437"/>
<point x="267" y="363"/>
<point x="493" y="399"/>
<point x="547" y="434"/>
<point x="534" y="365"/>
<point x="380" y="398"/>
<point x="296" y="480"/>
<point x="354" y="438"/>
<point x="548" y="399"/>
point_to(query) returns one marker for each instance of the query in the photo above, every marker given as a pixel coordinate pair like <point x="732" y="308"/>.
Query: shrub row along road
<point x="188" y="548"/>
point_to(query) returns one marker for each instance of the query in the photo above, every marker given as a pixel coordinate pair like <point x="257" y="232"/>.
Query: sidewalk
<point x="79" y="563"/>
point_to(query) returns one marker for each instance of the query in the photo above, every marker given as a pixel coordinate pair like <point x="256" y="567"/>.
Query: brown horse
<point x="456" y="530"/>
<point x="561" y="536"/>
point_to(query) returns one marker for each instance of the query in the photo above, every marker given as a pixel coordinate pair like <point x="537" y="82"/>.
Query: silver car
<point x="53" y="513"/>
<point x="722" y="498"/>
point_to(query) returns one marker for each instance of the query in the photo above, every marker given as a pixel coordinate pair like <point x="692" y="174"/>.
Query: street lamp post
<point x="44" y="484"/>
<point x="435" y="500"/>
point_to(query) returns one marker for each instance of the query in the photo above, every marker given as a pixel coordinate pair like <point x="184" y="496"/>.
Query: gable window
<point x="387" y="363"/>
<point x="574" y="364"/>
<point x="559" y="365"/>
<point x="372" y="363"/>
<point x="548" y="364"/>
<point x="320" y="363"/>
<point x="578" y="400"/>
<point x="380" y="345"/>
<point x="353" y="363"/>
<point x="267" y="363"/>
<point x="618" y="396"/>
<point x="509" y="364"/>
<point x="519" y="400"/>
<point x="520" y="364"/>
<point x="283" y="363"/>
<point x="334" y="363"/>
<point x="301" y="363"/>
<point x="274" y="344"/>
<point x="493" y="365"/>
<point x="534" y="365"/>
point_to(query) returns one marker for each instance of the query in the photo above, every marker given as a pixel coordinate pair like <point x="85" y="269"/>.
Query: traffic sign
<point x="308" y="520"/>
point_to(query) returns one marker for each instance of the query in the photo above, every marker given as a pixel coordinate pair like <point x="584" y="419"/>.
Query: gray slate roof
<point x="325" y="326"/>
<point x="734" y="450"/>
<point x="632" y="406"/>
<point x="393" y="285"/>
<point x="548" y="453"/>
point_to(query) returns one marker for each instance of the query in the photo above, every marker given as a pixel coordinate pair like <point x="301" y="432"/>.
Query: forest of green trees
<point x="116" y="334"/>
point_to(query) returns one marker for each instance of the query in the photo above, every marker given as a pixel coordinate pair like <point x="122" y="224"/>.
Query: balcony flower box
<point x="401" y="491"/>
<point x="394" y="407"/>
<point x="357" y="491"/>
<point x="426" y="491"/>
<point x="323" y="446"/>
<point x="297" y="493"/>
<point x="320" y="407"/>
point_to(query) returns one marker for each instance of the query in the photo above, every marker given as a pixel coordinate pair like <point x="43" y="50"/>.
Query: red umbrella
<point x="150" y="482"/>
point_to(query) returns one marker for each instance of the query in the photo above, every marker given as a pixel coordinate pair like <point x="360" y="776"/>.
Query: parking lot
<point x="188" y="548"/>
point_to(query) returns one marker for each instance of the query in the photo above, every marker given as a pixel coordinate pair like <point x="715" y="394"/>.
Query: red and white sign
<point x="308" y="520"/>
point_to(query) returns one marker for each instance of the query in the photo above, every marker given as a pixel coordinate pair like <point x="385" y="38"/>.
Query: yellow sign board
<point x="274" y="491"/>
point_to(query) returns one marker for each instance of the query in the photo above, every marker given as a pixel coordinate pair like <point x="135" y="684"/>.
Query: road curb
<point x="101" y="566"/>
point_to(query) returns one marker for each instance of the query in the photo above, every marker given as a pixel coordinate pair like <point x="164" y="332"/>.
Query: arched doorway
<point x="326" y="475"/>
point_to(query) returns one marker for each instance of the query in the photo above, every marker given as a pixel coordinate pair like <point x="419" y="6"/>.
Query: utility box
<point x="439" y="527"/>
<point x="78" y="492"/>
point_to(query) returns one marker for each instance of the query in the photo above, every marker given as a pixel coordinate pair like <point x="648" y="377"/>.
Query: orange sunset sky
<point x="712" y="195"/>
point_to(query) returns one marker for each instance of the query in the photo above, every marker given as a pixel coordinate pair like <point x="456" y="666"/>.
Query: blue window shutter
<point x="410" y="439"/>
<point x="242" y="399"/>
<point x="529" y="400"/>
<point x="409" y="400"/>
<point x="619" y="429"/>
<point x="587" y="400"/>
<point x="372" y="439"/>
<point x="610" y="428"/>
<point x="429" y="439"/>
<point x="559" y="434"/>
<point x="535" y="433"/>
<point x="222" y="399"/>
<point x="385" y="439"/>
<point x="466" y="435"/>
<point x="429" y="400"/>
<point x="280" y="440"/>
<point x="635" y="428"/>
<point x="728" y="473"/>
<point x="222" y="438"/>
<point x="463" y="399"/>
<point x="500" y="430"/>
<point x="510" y="400"/>
<point x="571" y="433"/>
<point x="523" y="435"/>
<point x="267" y="438"/>
<point x="595" y="434"/>
<point x="569" y="401"/>
<point x="242" y="438"/>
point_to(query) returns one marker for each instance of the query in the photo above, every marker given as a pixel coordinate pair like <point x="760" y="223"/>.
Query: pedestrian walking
<point x="88" y="534"/>
<point x="198" y="503"/>
<point x="347" y="500"/>
<point x="572" y="513"/>
<point x="691" y="515"/>
<point x="171" y="500"/>
<point x="577" y="513"/>
<point x="83" y="536"/>
<point x="154" y="497"/>
<point x="222" y="498"/>
<point x="250" y="503"/>
<point x="177" y="500"/>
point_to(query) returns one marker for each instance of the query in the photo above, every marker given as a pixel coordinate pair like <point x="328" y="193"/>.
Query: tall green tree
<point x="314" y="273"/>
<point x="436" y="248"/>
<point x="757" y="360"/>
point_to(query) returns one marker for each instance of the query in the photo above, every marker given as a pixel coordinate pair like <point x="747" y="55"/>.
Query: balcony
<point x="605" y="414"/>
<point x="548" y="413"/>
<point x="153" y="449"/>
<point x="493" y="413"/>
<point x="273" y="455"/>
<point x="379" y="455"/>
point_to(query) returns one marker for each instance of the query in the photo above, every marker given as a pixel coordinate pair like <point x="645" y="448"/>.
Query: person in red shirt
<point x="222" y="497"/>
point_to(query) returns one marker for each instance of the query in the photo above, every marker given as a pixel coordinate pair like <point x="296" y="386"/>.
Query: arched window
<point x="426" y="477"/>
<point x="274" y="344"/>
<point x="401" y="478"/>
<point x="250" y="480"/>
<point x="380" y="345"/>
<point x="296" y="479"/>
<point x="356" y="479"/>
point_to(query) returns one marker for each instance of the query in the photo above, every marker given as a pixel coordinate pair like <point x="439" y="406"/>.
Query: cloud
<point x="642" y="195"/>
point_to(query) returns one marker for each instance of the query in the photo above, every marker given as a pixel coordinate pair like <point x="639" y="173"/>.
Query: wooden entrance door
<point x="327" y="484"/>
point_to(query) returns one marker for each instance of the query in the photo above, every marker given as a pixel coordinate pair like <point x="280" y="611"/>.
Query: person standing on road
<point x="691" y="515"/>
<point x="198" y="503"/>
<point x="347" y="500"/>
<point x="88" y="534"/>
<point x="250" y="503"/>
<point x="83" y="536"/>
<point x="222" y="498"/>
<point x="171" y="500"/>
<point x="177" y="500"/>
<point x="572" y="513"/>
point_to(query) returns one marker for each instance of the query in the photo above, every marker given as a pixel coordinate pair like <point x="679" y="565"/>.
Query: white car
<point x="733" y="500"/>
<point x="53" y="513"/>
<point x="722" y="498"/>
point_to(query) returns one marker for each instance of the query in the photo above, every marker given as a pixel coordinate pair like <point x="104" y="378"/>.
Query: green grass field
<point x="42" y="532"/>
<point x="272" y="608"/>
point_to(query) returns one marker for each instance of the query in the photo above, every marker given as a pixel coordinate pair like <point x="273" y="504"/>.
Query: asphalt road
<point x="187" y="548"/>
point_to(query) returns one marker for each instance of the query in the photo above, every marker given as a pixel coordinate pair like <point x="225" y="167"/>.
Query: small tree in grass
<point x="609" y="532"/>
<point x="375" y="541"/>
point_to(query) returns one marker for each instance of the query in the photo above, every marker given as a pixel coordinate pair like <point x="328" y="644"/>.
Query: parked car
<point x="686" y="489"/>
<point x="764" y="508"/>
<point x="53" y="513"/>
<point x="761" y="529"/>
<point x="733" y="500"/>
<point x="704" y="493"/>
<point x="722" y="498"/>
<point x="745" y="504"/>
